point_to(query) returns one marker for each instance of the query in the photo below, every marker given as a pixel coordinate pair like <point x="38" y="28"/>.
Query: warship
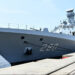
<point x="20" y="45"/>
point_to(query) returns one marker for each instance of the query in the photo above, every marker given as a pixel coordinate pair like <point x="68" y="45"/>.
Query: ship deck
<point x="46" y="66"/>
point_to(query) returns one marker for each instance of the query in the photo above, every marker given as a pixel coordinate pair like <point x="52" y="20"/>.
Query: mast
<point x="70" y="16"/>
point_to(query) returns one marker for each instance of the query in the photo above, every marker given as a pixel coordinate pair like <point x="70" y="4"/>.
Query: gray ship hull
<point x="44" y="45"/>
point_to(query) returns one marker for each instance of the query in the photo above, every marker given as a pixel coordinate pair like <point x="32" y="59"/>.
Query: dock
<point x="48" y="66"/>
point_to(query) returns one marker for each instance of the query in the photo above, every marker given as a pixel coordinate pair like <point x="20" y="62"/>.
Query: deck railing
<point x="20" y="26"/>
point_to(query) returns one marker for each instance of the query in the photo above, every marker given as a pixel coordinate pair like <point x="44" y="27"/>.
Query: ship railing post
<point x="26" y="27"/>
<point x="8" y="25"/>
<point x="18" y="26"/>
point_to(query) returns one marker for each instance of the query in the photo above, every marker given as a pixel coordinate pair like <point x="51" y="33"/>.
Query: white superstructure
<point x="67" y="26"/>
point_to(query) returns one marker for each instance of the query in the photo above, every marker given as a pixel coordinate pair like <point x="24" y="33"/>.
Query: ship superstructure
<point x="68" y="25"/>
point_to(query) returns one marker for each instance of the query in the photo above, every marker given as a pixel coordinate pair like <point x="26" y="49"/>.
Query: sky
<point x="34" y="13"/>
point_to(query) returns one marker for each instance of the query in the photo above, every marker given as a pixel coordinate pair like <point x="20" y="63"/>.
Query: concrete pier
<point x="45" y="66"/>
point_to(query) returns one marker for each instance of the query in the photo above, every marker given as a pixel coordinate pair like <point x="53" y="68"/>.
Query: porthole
<point x="22" y="37"/>
<point x="41" y="39"/>
<point x="25" y="42"/>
